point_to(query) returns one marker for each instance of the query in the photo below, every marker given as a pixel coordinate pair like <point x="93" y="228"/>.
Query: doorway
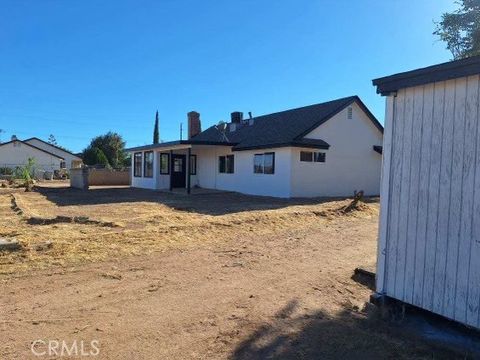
<point x="179" y="172"/>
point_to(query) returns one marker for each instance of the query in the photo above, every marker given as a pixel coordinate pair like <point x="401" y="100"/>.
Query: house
<point x="319" y="150"/>
<point x="47" y="157"/>
<point x="429" y="239"/>
<point x="70" y="160"/>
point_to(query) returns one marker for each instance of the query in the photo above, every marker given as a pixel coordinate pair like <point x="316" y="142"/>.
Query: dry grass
<point x="94" y="226"/>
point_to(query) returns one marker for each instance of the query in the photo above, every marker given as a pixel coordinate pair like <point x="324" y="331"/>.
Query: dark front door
<point x="178" y="170"/>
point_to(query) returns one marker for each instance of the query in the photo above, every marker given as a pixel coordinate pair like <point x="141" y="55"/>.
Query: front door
<point x="178" y="170"/>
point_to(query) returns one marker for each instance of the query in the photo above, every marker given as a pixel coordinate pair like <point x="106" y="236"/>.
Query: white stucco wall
<point x="64" y="154"/>
<point x="159" y="181"/>
<point x="243" y="179"/>
<point x="351" y="163"/>
<point x="16" y="154"/>
<point x="143" y="182"/>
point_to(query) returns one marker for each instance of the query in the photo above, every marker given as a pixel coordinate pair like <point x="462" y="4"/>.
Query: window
<point x="164" y="163"/>
<point x="349" y="113"/>
<point x="319" y="157"/>
<point x="193" y="164"/>
<point x="264" y="163"/>
<point x="137" y="164"/>
<point x="306" y="156"/>
<point x="63" y="165"/>
<point x="178" y="165"/>
<point x="309" y="156"/>
<point x="226" y="164"/>
<point x="269" y="163"/>
<point x="148" y="164"/>
<point x="258" y="164"/>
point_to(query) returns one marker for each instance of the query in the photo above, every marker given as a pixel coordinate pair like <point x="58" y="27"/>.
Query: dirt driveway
<point x="253" y="278"/>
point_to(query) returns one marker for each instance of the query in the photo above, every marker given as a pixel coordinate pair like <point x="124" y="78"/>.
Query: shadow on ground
<point x="215" y="203"/>
<point x="349" y="335"/>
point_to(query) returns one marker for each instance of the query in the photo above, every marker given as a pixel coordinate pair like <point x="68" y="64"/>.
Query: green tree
<point x="156" y="132"/>
<point x="94" y="156"/>
<point x="108" y="149"/>
<point x="461" y="29"/>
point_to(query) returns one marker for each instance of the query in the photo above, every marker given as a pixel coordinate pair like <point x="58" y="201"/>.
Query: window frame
<point x="255" y="164"/>
<point x="318" y="153"/>
<point x="222" y="164"/>
<point x="228" y="162"/>
<point x="150" y="175"/>
<point x="193" y="164"/>
<point x="167" y="155"/>
<point x="273" y="163"/>
<point x="139" y="173"/>
<point x="315" y="156"/>
<point x="305" y="153"/>
<point x="262" y="168"/>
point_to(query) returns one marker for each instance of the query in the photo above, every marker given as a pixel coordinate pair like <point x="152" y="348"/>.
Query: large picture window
<point x="164" y="163"/>
<point x="264" y="163"/>
<point x="193" y="164"/>
<point x="137" y="164"/>
<point x="148" y="164"/>
<point x="226" y="164"/>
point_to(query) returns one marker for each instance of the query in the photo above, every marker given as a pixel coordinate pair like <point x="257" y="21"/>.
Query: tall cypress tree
<point x="156" y="133"/>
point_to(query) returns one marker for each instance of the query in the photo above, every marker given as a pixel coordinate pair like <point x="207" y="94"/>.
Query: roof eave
<point x="176" y="143"/>
<point x="388" y="85"/>
<point x="282" y="145"/>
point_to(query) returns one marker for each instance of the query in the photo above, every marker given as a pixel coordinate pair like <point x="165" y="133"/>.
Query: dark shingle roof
<point x="440" y="72"/>
<point x="285" y="128"/>
<point x="52" y="145"/>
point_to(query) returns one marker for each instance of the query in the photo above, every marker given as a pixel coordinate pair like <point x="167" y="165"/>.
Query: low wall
<point x="85" y="177"/>
<point x="108" y="177"/>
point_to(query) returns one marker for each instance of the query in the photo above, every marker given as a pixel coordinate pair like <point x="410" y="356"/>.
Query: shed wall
<point x="429" y="245"/>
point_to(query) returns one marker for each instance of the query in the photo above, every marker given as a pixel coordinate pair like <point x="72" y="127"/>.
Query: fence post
<point x="85" y="177"/>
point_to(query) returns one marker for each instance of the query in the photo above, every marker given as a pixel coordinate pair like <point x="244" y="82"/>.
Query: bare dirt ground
<point x="216" y="276"/>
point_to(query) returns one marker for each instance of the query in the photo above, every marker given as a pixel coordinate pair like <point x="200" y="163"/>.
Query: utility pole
<point x="181" y="131"/>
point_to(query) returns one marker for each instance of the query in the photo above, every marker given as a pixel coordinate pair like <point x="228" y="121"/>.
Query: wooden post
<point x="189" y="155"/>
<point x="171" y="169"/>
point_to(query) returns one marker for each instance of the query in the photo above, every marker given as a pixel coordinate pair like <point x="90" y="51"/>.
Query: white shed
<point x="429" y="238"/>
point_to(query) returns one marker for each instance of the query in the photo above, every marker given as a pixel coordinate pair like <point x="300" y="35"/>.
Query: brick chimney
<point x="236" y="117"/>
<point x="194" y="125"/>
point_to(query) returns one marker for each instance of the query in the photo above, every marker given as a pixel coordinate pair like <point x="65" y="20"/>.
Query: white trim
<point x="385" y="194"/>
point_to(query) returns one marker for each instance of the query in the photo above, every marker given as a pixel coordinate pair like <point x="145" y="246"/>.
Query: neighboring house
<point x="16" y="153"/>
<point x="70" y="159"/>
<point x="319" y="150"/>
<point x="429" y="239"/>
<point x="47" y="157"/>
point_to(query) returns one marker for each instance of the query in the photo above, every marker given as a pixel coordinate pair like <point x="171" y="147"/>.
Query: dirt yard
<point x="153" y="275"/>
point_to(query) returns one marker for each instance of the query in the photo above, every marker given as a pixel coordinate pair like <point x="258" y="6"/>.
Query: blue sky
<point x="77" y="69"/>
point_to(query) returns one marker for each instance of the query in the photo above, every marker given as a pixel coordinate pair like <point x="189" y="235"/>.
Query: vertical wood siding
<point x="429" y="243"/>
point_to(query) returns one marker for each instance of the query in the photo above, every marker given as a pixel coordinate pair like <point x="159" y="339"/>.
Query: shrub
<point x="6" y="171"/>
